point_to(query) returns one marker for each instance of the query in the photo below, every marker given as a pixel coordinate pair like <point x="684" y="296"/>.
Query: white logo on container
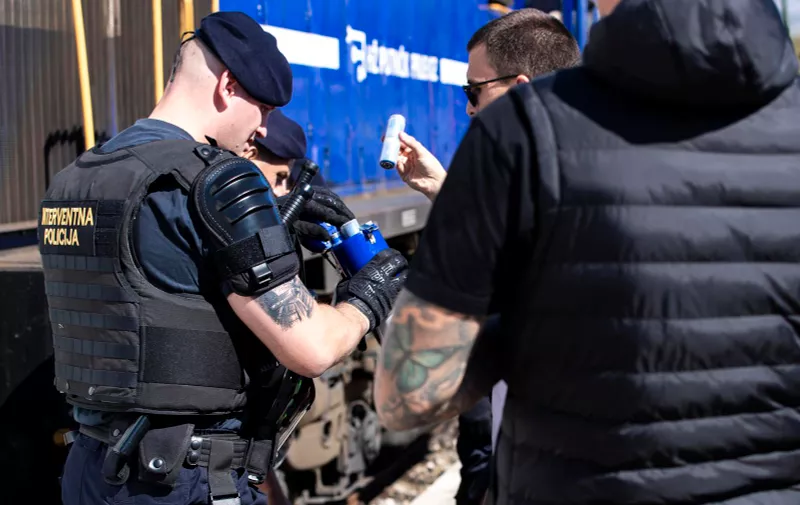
<point x="381" y="60"/>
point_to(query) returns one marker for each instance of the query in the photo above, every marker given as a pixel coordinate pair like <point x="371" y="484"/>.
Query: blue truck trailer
<point x="355" y="63"/>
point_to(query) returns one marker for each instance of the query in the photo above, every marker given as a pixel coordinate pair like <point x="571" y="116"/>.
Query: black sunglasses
<point x="472" y="96"/>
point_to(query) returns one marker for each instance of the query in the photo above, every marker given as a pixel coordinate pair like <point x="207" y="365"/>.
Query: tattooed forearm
<point x="424" y="359"/>
<point x="287" y="304"/>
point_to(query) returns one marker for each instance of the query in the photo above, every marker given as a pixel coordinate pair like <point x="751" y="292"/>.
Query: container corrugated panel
<point x="401" y="56"/>
<point x="35" y="73"/>
<point x="40" y="103"/>
<point x="356" y="62"/>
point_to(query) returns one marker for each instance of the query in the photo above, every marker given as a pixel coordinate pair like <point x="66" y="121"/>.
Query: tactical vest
<point x="122" y="344"/>
<point x="655" y="355"/>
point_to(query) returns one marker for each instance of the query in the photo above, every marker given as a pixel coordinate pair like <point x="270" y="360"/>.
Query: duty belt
<point x="163" y="451"/>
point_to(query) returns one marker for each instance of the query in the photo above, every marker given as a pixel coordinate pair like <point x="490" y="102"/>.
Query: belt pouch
<point x="162" y="452"/>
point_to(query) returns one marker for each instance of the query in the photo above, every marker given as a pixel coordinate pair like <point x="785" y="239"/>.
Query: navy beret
<point x="250" y="53"/>
<point x="285" y="138"/>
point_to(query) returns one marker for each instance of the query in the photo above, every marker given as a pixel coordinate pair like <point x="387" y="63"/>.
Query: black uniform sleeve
<point x="483" y="213"/>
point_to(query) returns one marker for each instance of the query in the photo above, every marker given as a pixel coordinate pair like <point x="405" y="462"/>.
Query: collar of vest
<point x="162" y="157"/>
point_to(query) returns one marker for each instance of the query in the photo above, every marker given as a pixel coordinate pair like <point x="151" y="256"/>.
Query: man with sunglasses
<point x="505" y="52"/>
<point x="635" y="220"/>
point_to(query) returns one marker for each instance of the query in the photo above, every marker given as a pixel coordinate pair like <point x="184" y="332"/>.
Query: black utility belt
<point x="162" y="452"/>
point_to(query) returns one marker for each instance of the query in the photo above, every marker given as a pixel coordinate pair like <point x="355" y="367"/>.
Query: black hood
<point x="700" y="52"/>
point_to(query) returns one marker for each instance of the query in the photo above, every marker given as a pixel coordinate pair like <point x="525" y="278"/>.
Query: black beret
<point x="250" y="53"/>
<point x="285" y="138"/>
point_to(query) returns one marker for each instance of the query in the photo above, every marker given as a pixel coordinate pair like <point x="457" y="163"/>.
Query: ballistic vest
<point x="121" y="343"/>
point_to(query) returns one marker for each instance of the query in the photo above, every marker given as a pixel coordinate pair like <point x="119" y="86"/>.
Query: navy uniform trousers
<point x="82" y="482"/>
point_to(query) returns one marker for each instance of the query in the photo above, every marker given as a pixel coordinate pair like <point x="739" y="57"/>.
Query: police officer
<point x="279" y="157"/>
<point x="280" y="153"/>
<point x="182" y="335"/>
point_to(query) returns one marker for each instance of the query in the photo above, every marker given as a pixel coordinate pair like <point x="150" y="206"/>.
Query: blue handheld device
<point x="353" y="245"/>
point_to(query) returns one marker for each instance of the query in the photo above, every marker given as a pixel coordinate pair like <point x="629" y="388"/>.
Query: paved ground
<point x="443" y="491"/>
<point x="416" y="482"/>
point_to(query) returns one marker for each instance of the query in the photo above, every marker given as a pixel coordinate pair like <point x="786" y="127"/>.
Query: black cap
<point x="285" y="138"/>
<point x="250" y="53"/>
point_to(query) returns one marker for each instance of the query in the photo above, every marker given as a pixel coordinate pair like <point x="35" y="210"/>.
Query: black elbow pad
<point x="236" y="206"/>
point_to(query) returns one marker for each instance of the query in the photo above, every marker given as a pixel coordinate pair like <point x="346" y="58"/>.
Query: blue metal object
<point x="320" y="246"/>
<point x="359" y="244"/>
<point x="575" y="15"/>
<point x="357" y="62"/>
<point x="353" y="245"/>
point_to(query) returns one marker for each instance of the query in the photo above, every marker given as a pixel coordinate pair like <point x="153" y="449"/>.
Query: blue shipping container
<point x="356" y="62"/>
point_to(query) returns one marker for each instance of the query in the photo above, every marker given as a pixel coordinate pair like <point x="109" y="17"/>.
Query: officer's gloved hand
<point x="374" y="288"/>
<point x="324" y="206"/>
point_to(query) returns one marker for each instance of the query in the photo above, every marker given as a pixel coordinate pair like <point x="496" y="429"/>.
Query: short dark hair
<point x="527" y="42"/>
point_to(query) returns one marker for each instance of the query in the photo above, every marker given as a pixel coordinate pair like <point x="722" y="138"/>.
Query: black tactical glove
<point x="374" y="288"/>
<point x="324" y="206"/>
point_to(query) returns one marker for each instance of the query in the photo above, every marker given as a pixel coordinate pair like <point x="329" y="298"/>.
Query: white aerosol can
<point x="391" y="141"/>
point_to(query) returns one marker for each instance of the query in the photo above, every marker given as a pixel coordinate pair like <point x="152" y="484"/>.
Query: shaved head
<point x="204" y="98"/>
<point x="195" y="62"/>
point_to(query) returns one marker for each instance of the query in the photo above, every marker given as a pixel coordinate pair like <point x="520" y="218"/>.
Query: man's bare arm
<point x="422" y="374"/>
<point x="306" y="337"/>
